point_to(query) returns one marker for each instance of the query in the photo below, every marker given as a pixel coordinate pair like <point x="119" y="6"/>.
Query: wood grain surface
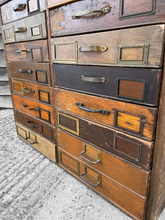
<point x="52" y="3"/>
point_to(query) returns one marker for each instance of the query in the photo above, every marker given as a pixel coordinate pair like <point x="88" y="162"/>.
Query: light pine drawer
<point x="52" y="3"/>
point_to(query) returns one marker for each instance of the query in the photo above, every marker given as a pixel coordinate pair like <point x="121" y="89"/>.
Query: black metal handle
<point x="21" y="51"/>
<point x="19" y="7"/>
<point x="31" y="125"/>
<point x="92" y="184"/>
<point x="24" y="71"/>
<point x="28" y="90"/>
<point x="93" y="79"/>
<point x="29" y="141"/>
<point x="92" y="162"/>
<point x="25" y="106"/>
<point x="102" y="111"/>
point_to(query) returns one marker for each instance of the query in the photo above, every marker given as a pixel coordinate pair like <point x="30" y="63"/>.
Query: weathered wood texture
<point x="8" y="14"/>
<point x="37" y="51"/>
<point x="62" y="22"/>
<point x="34" y="28"/>
<point x="125" y="199"/>
<point x="137" y="119"/>
<point x="135" y="85"/>
<point x="52" y="3"/>
<point x="130" y="148"/>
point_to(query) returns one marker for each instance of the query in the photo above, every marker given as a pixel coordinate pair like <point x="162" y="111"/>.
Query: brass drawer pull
<point x="87" y="12"/>
<point x="92" y="184"/>
<point x="92" y="162"/>
<point x="21" y="51"/>
<point x="93" y="48"/>
<point x="93" y="79"/>
<point x="19" y="7"/>
<point x="35" y="142"/>
<point x="24" y="71"/>
<point x="31" y="125"/>
<point x="28" y="90"/>
<point x="20" y="29"/>
<point x="25" y="106"/>
<point x="102" y="111"/>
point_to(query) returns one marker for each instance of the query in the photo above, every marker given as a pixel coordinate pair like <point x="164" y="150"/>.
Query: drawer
<point x="132" y="149"/>
<point x="34" y="91"/>
<point x="29" y="28"/>
<point x="35" y="51"/>
<point x="35" y="72"/>
<point x="52" y="3"/>
<point x="136" y="119"/>
<point x="125" y="199"/>
<point x="39" y="143"/>
<point x="141" y="47"/>
<point x="93" y="15"/>
<point x="34" y="108"/>
<point x="132" y="84"/>
<point x="36" y="125"/>
<point x="17" y="9"/>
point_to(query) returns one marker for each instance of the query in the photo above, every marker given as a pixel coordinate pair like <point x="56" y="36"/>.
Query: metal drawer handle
<point x="92" y="184"/>
<point x="93" y="79"/>
<point x="92" y="162"/>
<point x="29" y="141"/>
<point x="21" y="51"/>
<point x="93" y="48"/>
<point x="19" y="7"/>
<point x="20" y="29"/>
<point x="24" y="71"/>
<point x="25" y="106"/>
<point x="102" y="111"/>
<point x="87" y="12"/>
<point x="28" y="90"/>
<point x="31" y="125"/>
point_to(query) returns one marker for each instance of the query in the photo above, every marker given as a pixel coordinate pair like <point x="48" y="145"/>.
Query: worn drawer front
<point x="39" y="143"/>
<point x="112" y="48"/>
<point x="35" y="72"/>
<point x="135" y="119"/>
<point x="114" y="167"/>
<point x="30" y="28"/>
<point x="81" y="16"/>
<point x="37" y="109"/>
<point x="130" y="148"/>
<point x="35" y="51"/>
<point x="52" y="3"/>
<point x="128" y="201"/>
<point x="38" y="126"/>
<point x="17" y="9"/>
<point x="34" y="91"/>
<point x="136" y="85"/>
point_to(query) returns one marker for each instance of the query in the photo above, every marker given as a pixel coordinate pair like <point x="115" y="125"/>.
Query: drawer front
<point x="121" y="171"/>
<point x="17" y="9"/>
<point x="125" y="199"/>
<point x="35" y="51"/>
<point x="52" y="3"/>
<point x="30" y="28"/>
<point x="80" y="16"/>
<point x="34" y="91"/>
<point x="130" y="148"/>
<point x="39" y="143"/>
<point x="135" y="85"/>
<point x="36" y="125"/>
<point x="135" y="119"/>
<point x="110" y="48"/>
<point x="35" y="72"/>
<point x="37" y="109"/>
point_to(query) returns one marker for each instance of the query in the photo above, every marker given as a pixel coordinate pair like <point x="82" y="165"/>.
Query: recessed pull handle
<point x="31" y="125"/>
<point x="20" y="29"/>
<point x="19" y="7"/>
<point x="25" y="106"/>
<point x="102" y="111"/>
<point x="28" y="90"/>
<point x="92" y="162"/>
<point x="93" y="79"/>
<point x="23" y="51"/>
<point x="87" y="12"/>
<point x="24" y="71"/>
<point x="93" y="48"/>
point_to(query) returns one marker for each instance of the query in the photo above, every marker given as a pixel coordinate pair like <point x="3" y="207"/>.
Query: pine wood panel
<point x="52" y="3"/>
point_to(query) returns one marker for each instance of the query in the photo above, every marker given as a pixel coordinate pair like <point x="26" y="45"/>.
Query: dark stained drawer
<point x="35" y="51"/>
<point x="29" y="28"/>
<point x="34" y="108"/>
<point x="141" y="47"/>
<point x="35" y="72"/>
<point x="93" y="15"/>
<point x="34" y="91"/>
<point x="136" y="119"/>
<point x="36" y="125"/>
<point x="17" y="9"/>
<point x="132" y="149"/>
<point x="133" y="84"/>
<point x="125" y="199"/>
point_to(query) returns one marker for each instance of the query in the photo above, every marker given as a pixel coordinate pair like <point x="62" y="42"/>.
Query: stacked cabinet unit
<point x="88" y="90"/>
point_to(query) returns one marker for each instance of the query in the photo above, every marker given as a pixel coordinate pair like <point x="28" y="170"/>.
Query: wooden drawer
<point x="133" y="84"/>
<point x="130" y="148"/>
<point x="35" y="51"/>
<point x="34" y="108"/>
<point x="38" y="126"/>
<point x="35" y="72"/>
<point x="52" y="3"/>
<point x="142" y="47"/>
<point x="79" y="16"/>
<point x="125" y="199"/>
<point x="29" y="28"/>
<point x="34" y="91"/>
<point x="135" y="119"/>
<point x="39" y="143"/>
